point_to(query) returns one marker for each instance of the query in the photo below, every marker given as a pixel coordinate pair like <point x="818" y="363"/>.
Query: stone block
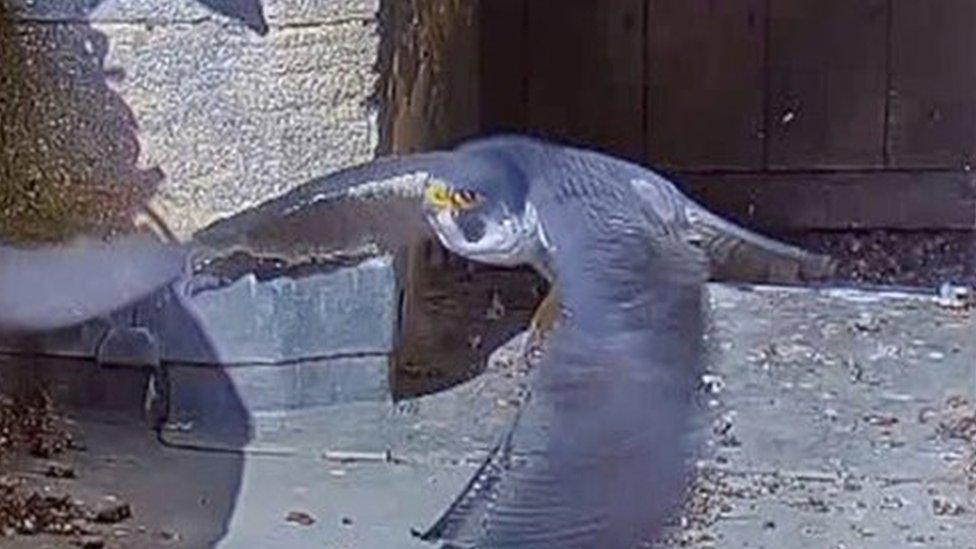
<point x="346" y="311"/>
<point x="178" y="106"/>
<point x="343" y="380"/>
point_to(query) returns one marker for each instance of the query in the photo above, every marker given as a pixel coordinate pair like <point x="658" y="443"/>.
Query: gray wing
<point x="378" y="203"/>
<point x="734" y="253"/>
<point x="600" y="452"/>
<point x="53" y="286"/>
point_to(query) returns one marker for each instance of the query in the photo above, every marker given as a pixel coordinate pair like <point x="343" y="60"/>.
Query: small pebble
<point x="57" y="470"/>
<point x="300" y="517"/>
<point x="90" y="542"/>
<point x="111" y="512"/>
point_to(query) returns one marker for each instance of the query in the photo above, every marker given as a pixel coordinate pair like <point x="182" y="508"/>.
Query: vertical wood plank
<point x="932" y="114"/>
<point x="706" y="79"/>
<point x="827" y="80"/>
<point x="504" y="65"/>
<point x="586" y="75"/>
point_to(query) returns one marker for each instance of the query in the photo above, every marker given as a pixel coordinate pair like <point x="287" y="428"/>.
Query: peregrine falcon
<point x="599" y="453"/>
<point x="488" y="201"/>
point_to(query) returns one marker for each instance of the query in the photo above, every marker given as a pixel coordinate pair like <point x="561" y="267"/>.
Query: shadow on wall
<point x="68" y="165"/>
<point x="69" y="148"/>
<point x="68" y="143"/>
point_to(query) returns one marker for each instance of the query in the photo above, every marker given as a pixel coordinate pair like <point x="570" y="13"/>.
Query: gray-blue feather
<point x="600" y="453"/>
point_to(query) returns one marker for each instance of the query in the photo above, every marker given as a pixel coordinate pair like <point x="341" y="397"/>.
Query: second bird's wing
<point x="56" y="285"/>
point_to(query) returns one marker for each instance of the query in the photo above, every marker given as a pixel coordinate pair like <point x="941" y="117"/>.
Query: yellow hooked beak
<point x="441" y="197"/>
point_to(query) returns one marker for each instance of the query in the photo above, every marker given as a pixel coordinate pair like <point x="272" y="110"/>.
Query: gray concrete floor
<point x="831" y="411"/>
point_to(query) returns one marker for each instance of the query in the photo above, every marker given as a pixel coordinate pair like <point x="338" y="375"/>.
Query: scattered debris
<point x="342" y="456"/>
<point x="31" y="423"/>
<point x="891" y="257"/>
<point x="29" y="512"/>
<point x="112" y="510"/>
<point x="57" y="470"/>
<point x="31" y="426"/>
<point x="170" y="536"/>
<point x="880" y="420"/>
<point x="957" y="420"/>
<point x="90" y="542"/>
<point x="943" y="508"/>
<point x="300" y="518"/>
<point x="496" y="311"/>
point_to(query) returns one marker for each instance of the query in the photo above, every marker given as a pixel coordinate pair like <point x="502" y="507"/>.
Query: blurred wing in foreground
<point x="602" y="450"/>
<point x="53" y="286"/>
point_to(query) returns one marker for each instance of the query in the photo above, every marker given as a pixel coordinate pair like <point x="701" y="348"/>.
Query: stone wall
<point x="196" y="108"/>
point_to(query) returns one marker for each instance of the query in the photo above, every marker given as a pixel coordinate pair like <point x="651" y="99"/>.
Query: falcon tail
<point x="735" y="253"/>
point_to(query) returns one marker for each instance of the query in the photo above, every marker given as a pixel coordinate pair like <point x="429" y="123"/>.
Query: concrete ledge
<point x="348" y="311"/>
<point x="193" y="390"/>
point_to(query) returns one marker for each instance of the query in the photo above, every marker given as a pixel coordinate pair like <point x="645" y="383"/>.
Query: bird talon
<point x="542" y="324"/>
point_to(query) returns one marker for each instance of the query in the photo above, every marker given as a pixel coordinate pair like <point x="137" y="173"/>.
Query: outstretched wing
<point x="734" y="253"/>
<point x="375" y="203"/>
<point x="600" y="453"/>
<point x="53" y="286"/>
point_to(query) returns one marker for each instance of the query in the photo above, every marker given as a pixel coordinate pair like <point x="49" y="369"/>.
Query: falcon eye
<point x="465" y="198"/>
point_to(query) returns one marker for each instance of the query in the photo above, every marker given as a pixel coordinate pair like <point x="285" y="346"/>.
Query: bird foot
<point x="533" y="346"/>
<point x="540" y="327"/>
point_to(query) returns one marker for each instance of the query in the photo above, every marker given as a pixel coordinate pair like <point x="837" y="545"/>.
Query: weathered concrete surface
<point x="833" y="430"/>
<point x="840" y="423"/>
<point x="180" y="107"/>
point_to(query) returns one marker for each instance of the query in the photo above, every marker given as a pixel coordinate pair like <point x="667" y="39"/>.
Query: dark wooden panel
<point x="827" y="78"/>
<point x="504" y="64"/>
<point x="932" y="114"/>
<point x="706" y="81"/>
<point x="893" y="200"/>
<point x="586" y="68"/>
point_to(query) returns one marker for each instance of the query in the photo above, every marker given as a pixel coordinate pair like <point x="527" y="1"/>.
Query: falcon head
<point x="485" y="223"/>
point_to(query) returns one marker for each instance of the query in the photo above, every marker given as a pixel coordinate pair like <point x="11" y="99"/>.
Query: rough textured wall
<point x="198" y="108"/>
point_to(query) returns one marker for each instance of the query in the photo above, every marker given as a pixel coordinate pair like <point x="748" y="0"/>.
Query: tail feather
<point x="736" y="253"/>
